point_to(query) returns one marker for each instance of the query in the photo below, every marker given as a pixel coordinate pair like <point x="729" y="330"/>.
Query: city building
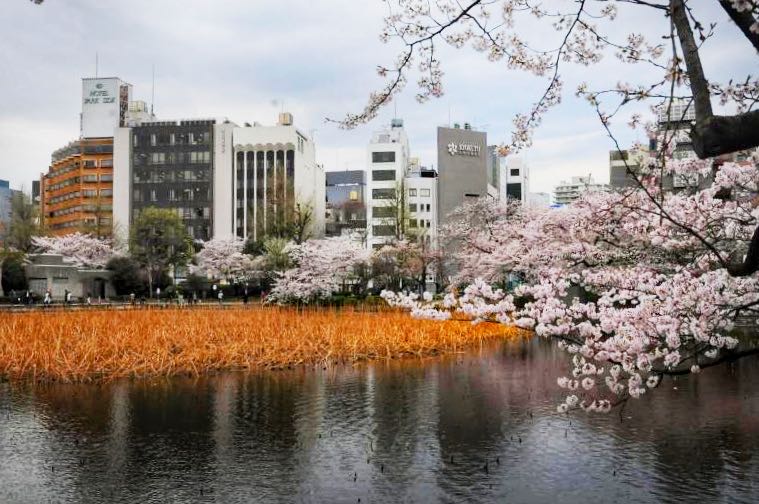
<point x="539" y="199"/>
<point x="275" y="177"/>
<point x="514" y="179"/>
<point x="346" y="204"/>
<point x="6" y="199"/>
<point x="674" y="120"/>
<point x="76" y="194"/>
<point x="183" y="165"/>
<point x="222" y="180"/>
<point x="622" y="163"/>
<point x="105" y="103"/>
<point x="422" y="195"/>
<point x="387" y="162"/>
<point x="568" y="191"/>
<point x="51" y="272"/>
<point x="462" y="156"/>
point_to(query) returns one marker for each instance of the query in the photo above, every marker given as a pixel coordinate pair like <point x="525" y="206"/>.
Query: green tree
<point x="13" y="276"/>
<point x="126" y="276"/>
<point x="24" y="223"/>
<point x="159" y="240"/>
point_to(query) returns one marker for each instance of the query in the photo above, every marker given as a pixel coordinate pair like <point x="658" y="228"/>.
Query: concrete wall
<point x="223" y="174"/>
<point x="122" y="182"/>
<point x="47" y="271"/>
<point x="460" y="174"/>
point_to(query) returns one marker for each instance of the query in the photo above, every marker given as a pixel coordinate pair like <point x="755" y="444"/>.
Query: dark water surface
<point x="480" y="427"/>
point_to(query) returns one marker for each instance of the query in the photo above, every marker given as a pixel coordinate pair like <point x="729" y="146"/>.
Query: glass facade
<point x="172" y="167"/>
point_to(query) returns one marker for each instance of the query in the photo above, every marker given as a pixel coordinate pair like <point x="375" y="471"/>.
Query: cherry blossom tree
<point x="635" y="285"/>
<point x="223" y="258"/>
<point x="77" y="248"/>
<point x="322" y="267"/>
<point x="542" y="38"/>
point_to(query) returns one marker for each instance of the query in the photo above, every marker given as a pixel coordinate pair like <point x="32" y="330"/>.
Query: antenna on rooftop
<point x="152" y="92"/>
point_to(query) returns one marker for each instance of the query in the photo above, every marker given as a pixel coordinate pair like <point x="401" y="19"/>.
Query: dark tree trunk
<point x="719" y="135"/>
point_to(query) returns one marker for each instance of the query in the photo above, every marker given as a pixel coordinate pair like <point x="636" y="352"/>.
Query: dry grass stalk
<point x="95" y="345"/>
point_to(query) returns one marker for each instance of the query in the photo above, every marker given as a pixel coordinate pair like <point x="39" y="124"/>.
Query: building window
<point x="383" y="230"/>
<point x="380" y="175"/>
<point x="383" y="157"/>
<point x="90" y="163"/>
<point x="106" y="178"/>
<point x="383" y="212"/>
<point x="425" y="193"/>
<point x="514" y="191"/>
<point x="90" y="178"/>
<point x="412" y="223"/>
<point x="353" y="195"/>
<point x="412" y="207"/>
<point x="106" y="163"/>
<point x="153" y="139"/>
<point x="412" y="192"/>
<point x="514" y="172"/>
<point x="383" y="193"/>
<point x="106" y="193"/>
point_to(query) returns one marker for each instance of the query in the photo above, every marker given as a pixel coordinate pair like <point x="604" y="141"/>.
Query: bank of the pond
<point x="93" y="345"/>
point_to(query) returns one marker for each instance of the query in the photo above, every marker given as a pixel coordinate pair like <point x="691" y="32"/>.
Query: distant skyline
<point x="247" y="61"/>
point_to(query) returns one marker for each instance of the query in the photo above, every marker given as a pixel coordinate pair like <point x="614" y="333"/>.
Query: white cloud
<point x="233" y="58"/>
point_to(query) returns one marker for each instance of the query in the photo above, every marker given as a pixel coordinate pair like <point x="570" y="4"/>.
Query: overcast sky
<point x="247" y="59"/>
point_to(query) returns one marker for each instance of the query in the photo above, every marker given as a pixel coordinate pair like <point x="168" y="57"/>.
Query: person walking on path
<point x="48" y="298"/>
<point x="221" y="297"/>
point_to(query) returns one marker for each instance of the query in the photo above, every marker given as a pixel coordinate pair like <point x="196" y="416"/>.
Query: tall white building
<point x="275" y="170"/>
<point x="222" y="180"/>
<point x="387" y="163"/>
<point x="421" y="186"/>
<point x="513" y="179"/>
<point x="568" y="191"/>
<point x="105" y="103"/>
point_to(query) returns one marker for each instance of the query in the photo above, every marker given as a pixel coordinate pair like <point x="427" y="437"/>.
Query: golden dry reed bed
<point x="77" y="346"/>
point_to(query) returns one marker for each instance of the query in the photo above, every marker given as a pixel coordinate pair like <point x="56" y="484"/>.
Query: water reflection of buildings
<point x="407" y="430"/>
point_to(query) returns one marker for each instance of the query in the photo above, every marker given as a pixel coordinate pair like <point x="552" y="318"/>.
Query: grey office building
<point x="172" y="167"/>
<point x="462" y="160"/>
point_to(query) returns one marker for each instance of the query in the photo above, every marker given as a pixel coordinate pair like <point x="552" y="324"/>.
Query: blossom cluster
<point x="634" y="285"/>
<point x="77" y="248"/>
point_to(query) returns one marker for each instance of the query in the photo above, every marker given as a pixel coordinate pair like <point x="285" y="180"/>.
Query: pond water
<point x="478" y="427"/>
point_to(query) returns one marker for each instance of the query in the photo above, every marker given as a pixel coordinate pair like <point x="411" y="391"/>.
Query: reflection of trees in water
<point x="303" y="433"/>
<point x="488" y="403"/>
<point x="703" y="434"/>
<point x="404" y="405"/>
<point x="265" y="439"/>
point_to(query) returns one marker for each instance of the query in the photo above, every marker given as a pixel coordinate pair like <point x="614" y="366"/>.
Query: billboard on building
<point x="104" y="104"/>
